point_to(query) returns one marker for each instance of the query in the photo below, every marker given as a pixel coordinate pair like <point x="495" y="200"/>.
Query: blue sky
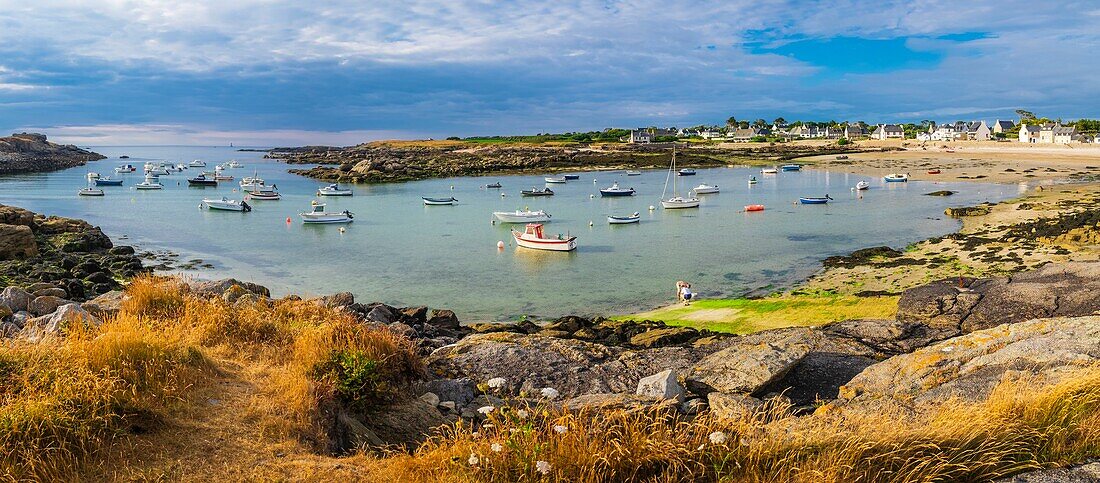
<point x="272" y="72"/>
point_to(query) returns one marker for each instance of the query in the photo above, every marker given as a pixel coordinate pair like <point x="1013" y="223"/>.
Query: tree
<point x="759" y="123"/>
<point x="732" y="121"/>
<point x="779" y="121"/>
<point x="1025" y="115"/>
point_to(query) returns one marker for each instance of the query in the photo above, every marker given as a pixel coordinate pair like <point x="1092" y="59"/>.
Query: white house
<point x="1059" y="134"/>
<point x="1029" y="133"/>
<point x="640" y="136"/>
<point x="1000" y="126"/>
<point x="977" y="131"/>
<point x="888" y="131"/>
<point x="710" y="134"/>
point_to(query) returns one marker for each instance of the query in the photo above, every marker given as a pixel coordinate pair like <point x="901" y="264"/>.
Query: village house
<point x="1001" y="127"/>
<point x="1029" y="133"/>
<point x="958" y="131"/>
<point x="662" y="132"/>
<point x="746" y="135"/>
<point x="640" y="136"/>
<point x="1049" y="134"/>
<point x="888" y="131"/>
<point x="710" y="134"/>
<point x="853" y="131"/>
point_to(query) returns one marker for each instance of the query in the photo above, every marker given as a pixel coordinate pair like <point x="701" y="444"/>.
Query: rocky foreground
<point x="32" y="153"/>
<point x="389" y="161"/>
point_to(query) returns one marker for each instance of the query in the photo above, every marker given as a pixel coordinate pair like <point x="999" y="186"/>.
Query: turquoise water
<point x="404" y="253"/>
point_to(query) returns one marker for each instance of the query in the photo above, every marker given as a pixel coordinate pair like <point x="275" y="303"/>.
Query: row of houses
<point x="1052" y="133"/>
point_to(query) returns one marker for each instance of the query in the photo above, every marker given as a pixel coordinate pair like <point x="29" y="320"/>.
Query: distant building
<point x="853" y="131"/>
<point x="710" y="134"/>
<point x="1001" y="127"/>
<point x="977" y="131"/>
<point x="1049" y="134"/>
<point x="958" y="131"/>
<point x="746" y="135"/>
<point x="662" y="132"/>
<point x="1029" y="133"/>
<point x="640" y="136"/>
<point x="888" y="131"/>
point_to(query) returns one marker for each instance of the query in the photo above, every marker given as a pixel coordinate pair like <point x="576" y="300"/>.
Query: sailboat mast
<point x="667" y="176"/>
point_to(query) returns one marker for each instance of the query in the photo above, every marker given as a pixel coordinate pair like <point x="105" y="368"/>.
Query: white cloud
<point x="179" y="134"/>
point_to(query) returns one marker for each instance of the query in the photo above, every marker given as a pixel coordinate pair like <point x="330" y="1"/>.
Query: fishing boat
<point x="90" y="191"/>
<point x="534" y="239"/>
<point x="862" y="185"/>
<point x="815" y="200"/>
<point x="754" y="207"/>
<point x="791" y="167"/>
<point x="220" y="176"/>
<point x="571" y="176"/>
<point x="493" y="185"/>
<point x="198" y="163"/>
<point x="202" y="180"/>
<point x="896" y="178"/>
<point x="686" y="172"/>
<point x="93" y="176"/>
<point x="934" y="171"/>
<point x="615" y="190"/>
<point x="108" y="181"/>
<point x="537" y="192"/>
<point x="263" y="193"/>
<point x="152" y="182"/>
<point x="622" y="220"/>
<point x="769" y="171"/>
<point x="126" y="168"/>
<point x="317" y="214"/>
<point x="250" y="182"/>
<point x="557" y="180"/>
<point x="334" y="190"/>
<point x="633" y="173"/>
<point x="676" y="201"/>
<point x="438" y="201"/>
<point x="524" y="216"/>
<point x="226" y="204"/>
<point x="157" y="169"/>
<point x="705" y="189"/>
<point x="752" y="180"/>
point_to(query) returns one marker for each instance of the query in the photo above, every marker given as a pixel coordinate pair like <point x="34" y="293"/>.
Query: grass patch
<point x="743" y="316"/>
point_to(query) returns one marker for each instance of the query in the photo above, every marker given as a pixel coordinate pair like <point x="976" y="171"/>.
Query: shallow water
<point x="404" y="253"/>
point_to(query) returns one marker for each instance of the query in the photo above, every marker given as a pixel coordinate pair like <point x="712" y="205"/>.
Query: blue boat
<point x="791" y="167"/>
<point x="572" y="176"/>
<point x="108" y="182"/>
<point x="815" y="200"/>
<point x="896" y="178"/>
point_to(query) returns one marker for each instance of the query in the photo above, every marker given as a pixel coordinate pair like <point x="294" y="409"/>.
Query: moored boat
<point x="769" y="171"/>
<point x="533" y="238"/>
<point x="126" y="168"/>
<point x="752" y="180"/>
<point x="152" y="182"/>
<point x="686" y="172"/>
<point x="89" y="191"/>
<point x="233" y="164"/>
<point x="622" y="220"/>
<point x="250" y="182"/>
<point x="676" y="201"/>
<point x="537" y="192"/>
<point x="814" y="200"/>
<point x="571" y="176"/>
<point x="438" y="201"/>
<point x="934" y="171"/>
<point x="108" y="181"/>
<point x="705" y="189"/>
<point x="202" y="180"/>
<point x="317" y="214"/>
<point x="93" y="176"/>
<point x="493" y="185"/>
<point x="631" y="172"/>
<point x="615" y="190"/>
<point x="754" y="207"/>
<point x="791" y="167"/>
<point x="198" y="163"/>
<point x="557" y="180"/>
<point x="263" y="193"/>
<point x="522" y="216"/>
<point x="226" y="204"/>
<point x="842" y="157"/>
<point x="334" y="190"/>
<point x="862" y="185"/>
<point x="896" y="178"/>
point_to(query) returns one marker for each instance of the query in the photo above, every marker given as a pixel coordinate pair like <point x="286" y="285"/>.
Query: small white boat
<point x="317" y="214"/>
<point x="233" y="164"/>
<point x="251" y="182"/>
<point x="557" y="180"/>
<point x="896" y="178"/>
<point x="705" y="189"/>
<point x="862" y="185"/>
<point x="534" y="239"/>
<point x="226" y="204"/>
<point x="93" y="176"/>
<point x="622" y="220"/>
<point x="522" y="216"/>
<point x="198" y="163"/>
<point x="633" y="173"/>
<point x="769" y="171"/>
<point x="126" y="168"/>
<point x="89" y="191"/>
<point x="334" y="190"/>
<point x="220" y="176"/>
<point x="438" y="201"/>
<point x="152" y="182"/>
<point x="676" y="201"/>
<point x="263" y="193"/>
<point x="179" y="168"/>
<point x="752" y="180"/>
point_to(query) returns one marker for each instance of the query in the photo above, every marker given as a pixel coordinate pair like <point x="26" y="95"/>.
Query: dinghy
<point x="438" y="201"/>
<point x="250" y="182"/>
<point x="108" y="181"/>
<point x="201" y="180"/>
<point x="686" y="172"/>
<point x="633" y="173"/>
<point x="262" y="193"/>
<point x="705" y="189"/>
<point x="934" y="171"/>
<point x="676" y="201"/>
<point x="524" y="216"/>
<point x="862" y="185"/>
<point x="815" y="200"/>
<point x="226" y="204"/>
<point x="534" y="239"/>
<point x="317" y="214"/>
<point x="615" y="190"/>
<point x="334" y="190"/>
<point x="769" y="171"/>
<point x="493" y="185"/>
<point x="622" y="220"/>
<point x="537" y="192"/>
<point x="896" y="178"/>
<point x="571" y="176"/>
<point x="754" y="207"/>
<point x="791" y="167"/>
<point x="558" y="180"/>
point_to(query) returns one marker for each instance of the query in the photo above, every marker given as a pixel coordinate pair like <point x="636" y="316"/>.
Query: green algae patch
<point x="744" y="316"/>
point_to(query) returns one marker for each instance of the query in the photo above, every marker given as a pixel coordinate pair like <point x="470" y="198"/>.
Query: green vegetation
<point x="743" y="316"/>
<point x="606" y="136"/>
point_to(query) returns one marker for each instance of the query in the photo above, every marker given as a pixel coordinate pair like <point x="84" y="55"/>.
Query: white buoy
<point x="452" y="186"/>
<point x="502" y="195"/>
<point x="500" y="244"/>
<point x="593" y="180"/>
<point x="591" y="197"/>
<point x="590" y="223"/>
<point x="651" y="207"/>
<point x="342" y="229"/>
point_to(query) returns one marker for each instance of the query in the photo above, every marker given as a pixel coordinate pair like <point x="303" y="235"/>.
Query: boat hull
<point x="553" y="245"/>
<point x="555" y="180"/>
<point x="108" y="182"/>
<point x="141" y="186"/>
<point x="439" y="201"/>
<point x="226" y="205"/>
<point x="706" y="191"/>
<point x="310" y="218"/>
<point x="623" y="220"/>
<point x="537" y="193"/>
<point x="679" y="204"/>
<point x="896" y="180"/>
<point x="201" y="182"/>
<point x="754" y="207"/>
<point x="613" y="193"/>
<point x="90" y="192"/>
<point x="572" y="176"/>
<point x="792" y="167"/>
<point x="633" y="173"/>
<point x="813" y="201"/>
<point x="507" y="217"/>
<point x="686" y="173"/>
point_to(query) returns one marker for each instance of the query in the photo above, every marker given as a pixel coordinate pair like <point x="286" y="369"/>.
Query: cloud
<point x="178" y="134"/>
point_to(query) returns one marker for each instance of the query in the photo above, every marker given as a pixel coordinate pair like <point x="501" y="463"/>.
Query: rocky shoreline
<point x="382" y="162"/>
<point x="32" y="153"/>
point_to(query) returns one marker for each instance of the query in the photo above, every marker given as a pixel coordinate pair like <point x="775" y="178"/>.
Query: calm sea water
<point x="403" y="253"/>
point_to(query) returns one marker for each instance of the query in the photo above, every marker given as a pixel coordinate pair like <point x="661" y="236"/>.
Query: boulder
<point x="458" y="391"/>
<point x="340" y="299"/>
<point x="444" y="319"/>
<point x="217" y="288"/>
<point x="662" y="385"/>
<point x="16" y="298"/>
<point x="52" y="291"/>
<point x="664" y="337"/>
<point x="45" y="304"/>
<point x="35" y="287"/>
<point x="430" y="398"/>
<point x="752" y="362"/>
<point x="57" y="323"/>
<point x="5" y="312"/>
<point x="732" y="405"/>
<point x="11" y="215"/>
<point x="407" y="423"/>
<point x="17" y="242"/>
<point x="108" y="304"/>
<point x="1088" y="472"/>
<point x="415" y="314"/>
<point x="380" y="313"/>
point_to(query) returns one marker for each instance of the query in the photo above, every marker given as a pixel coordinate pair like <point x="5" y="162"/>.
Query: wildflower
<point x="496" y="447"/>
<point x="700" y="448"/>
<point x="496" y="382"/>
<point x="542" y="467"/>
<point x="522" y="414"/>
<point x="561" y="429"/>
<point x="486" y="409"/>
<point x="717" y="437"/>
<point x="474" y="460"/>
<point x="487" y="426"/>
<point x="549" y="393"/>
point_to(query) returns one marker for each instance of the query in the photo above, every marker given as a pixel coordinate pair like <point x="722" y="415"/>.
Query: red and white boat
<point x="535" y="240"/>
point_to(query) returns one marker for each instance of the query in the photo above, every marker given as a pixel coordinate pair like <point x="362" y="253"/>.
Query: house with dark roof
<point x="640" y="136"/>
<point x="888" y="131"/>
<point x="1029" y="133"/>
<point x="1001" y="127"/>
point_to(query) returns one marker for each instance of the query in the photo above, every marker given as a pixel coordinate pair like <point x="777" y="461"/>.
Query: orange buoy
<point x="288" y="219"/>
<point x="754" y="207"/>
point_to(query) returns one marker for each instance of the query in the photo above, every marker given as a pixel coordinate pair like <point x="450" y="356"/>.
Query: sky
<point x="278" y="73"/>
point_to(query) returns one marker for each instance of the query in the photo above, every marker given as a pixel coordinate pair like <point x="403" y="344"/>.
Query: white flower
<point x="561" y="429"/>
<point x="487" y="426"/>
<point x="549" y="393"/>
<point x="542" y="467"/>
<point x="486" y="409"/>
<point x="700" y="448"/>
<point x="474" y="460"/>
<point x="496" y="382"/>
<point x="522" y="414"/>
<point x="496" y="447"/>
<point x="717" y="437"/>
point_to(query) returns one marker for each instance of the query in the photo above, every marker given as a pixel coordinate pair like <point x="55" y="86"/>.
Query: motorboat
<point x="633" y="173"/>
<point x="179" y="167"/>
<point x="202" y="180"/>
<point x="622" y="220"/>
<point x="557" y="180"/>
<point x="219" y="176"/>
<point x="615" y="190"/>
<point x="251" y="182"/>
<point x="810" y="200"/>
<point x="754" y="207"/>
<point x="157" y="169"/>
<point x="705" y="189"/>
<point x="93" y="176"/>
<point x="198" y="163"/>
<point x="862" y="185"/>
<point x="534" y="239"/>
<point x="152" y="182"/>
<point x="108" y="181"/>
<point x="493" y="185"/>
<point x="334" y="190"/>
<point x="676" y="201"/>
<point x="262" y="193"/>
<point x="233" y="164"/>
<point x="791" y="167"/>
<point x="769" y="171"/>
<point x="438" y="201"/>
<point x="686" y="172"/>
<point x="522" y="216"/>
<point x="896" y="178"/>
<point x="571" y="176"/>
<point x="89" y="191"/>
<point x="126" y="168"/>
<point x="226" y="204"/>
<point x="317" y="214"/>
<point x="537" y="192"/>
<point x="752" y="180"/>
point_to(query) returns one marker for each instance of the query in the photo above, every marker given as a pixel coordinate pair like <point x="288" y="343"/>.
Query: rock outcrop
<point x="30" y="153"/>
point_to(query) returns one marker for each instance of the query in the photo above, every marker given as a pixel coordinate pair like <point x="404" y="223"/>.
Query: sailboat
<point x="676" y="201"/>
